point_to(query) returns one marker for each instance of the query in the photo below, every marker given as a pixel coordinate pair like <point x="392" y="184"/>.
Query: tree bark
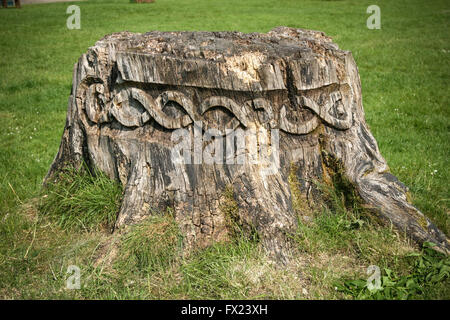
<point x="158" y="111"/>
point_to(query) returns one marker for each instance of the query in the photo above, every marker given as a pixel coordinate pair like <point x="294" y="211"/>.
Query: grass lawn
<point x="404" y="69"/>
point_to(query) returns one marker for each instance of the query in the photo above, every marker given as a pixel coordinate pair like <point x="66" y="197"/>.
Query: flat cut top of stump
<point x="229" y="60"/>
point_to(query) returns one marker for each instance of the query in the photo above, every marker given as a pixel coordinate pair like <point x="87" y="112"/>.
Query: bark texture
<point x="292" y="91"/>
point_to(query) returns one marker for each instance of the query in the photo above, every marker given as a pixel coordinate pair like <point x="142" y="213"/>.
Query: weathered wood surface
<point x="291" y="90"/>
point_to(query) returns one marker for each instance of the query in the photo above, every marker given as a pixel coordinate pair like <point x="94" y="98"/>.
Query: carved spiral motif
<point x="133" y="107"/>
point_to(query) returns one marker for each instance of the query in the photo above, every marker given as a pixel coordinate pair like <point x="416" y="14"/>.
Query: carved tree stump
<point x="199" y="120"/>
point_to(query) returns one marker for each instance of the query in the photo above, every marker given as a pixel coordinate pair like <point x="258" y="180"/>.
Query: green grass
<point x="429" y="279"/>
<point x="404" y="69"/>
<point x="81" y="199"/>
<point x="152" y="245"/>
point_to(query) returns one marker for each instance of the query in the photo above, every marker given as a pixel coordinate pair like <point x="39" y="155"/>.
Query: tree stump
<point x="226" y="126"/>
